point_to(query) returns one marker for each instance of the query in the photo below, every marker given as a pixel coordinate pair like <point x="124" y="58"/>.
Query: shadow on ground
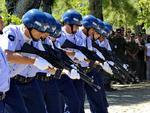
<point x="129" y="94"/>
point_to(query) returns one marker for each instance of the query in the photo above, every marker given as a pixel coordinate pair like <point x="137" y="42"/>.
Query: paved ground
<point x="129" y="99"/>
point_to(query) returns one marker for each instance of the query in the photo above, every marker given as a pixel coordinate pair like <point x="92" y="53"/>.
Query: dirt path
<point x="129" y="99"/>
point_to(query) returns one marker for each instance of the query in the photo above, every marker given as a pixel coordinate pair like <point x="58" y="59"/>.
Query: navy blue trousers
<point x="32" y="96"/>
<point x="2" y="106"/>
<point x="79" y="85"/>
<point x="97" y="100"/>
<point x="69" y="93"/>
<point x="50" y="94"/>
<point x="14" y="99"/>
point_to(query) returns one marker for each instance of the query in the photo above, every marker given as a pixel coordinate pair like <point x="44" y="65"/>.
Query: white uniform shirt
<point x="31" y="70"/>
<point x="66" y="36"/>
<point x="13" y="39"/>
<point x="4" y="73"/>
<point x="86" y="42"/>
<point x="104" y="44"/>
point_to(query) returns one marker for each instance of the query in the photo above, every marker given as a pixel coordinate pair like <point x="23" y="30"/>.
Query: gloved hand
<point x="111" y="63"/>
<point x="100" y="55"/>
<point x="74" y="74"/>
<point x="42" y="64"/>
<point x="80" y="56"/>
<point x="107" y="68"/>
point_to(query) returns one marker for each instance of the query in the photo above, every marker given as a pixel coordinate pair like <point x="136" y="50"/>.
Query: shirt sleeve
<point x="60" y="41"/>
<point x="8" y="40"/>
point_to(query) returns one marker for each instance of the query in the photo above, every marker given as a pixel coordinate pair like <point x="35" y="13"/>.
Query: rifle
<point x="68" y="62"/>
<point x="58" y="59"/>
<point x="89" y="54"/>
<point x="109" y="56"/>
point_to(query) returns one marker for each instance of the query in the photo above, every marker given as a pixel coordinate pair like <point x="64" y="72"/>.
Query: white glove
<point x="42" y="64"/>
<point x="80" y="56"/>
<point x="74" y="74"/>
<point x="107" y="68"/>
<point x="111" y="63"/>
<point x="100" y="55"/>
<point x="126" y="66"/>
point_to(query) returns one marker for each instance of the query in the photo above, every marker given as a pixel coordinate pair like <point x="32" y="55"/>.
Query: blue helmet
<point x="90" y="21"/>
<point x="106" y="31"/>
<point x="72" y="17"/>
<point x="108" y="26"/>
<point x="35" y="19"/>
<point x="100" y="27"/>
<point x="51" y="22"/>
<point x="57" y="32"/>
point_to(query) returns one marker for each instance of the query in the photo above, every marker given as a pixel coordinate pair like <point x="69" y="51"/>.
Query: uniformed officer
<point x="47" y="80"/>
<point x="71" y="20"/>
<point x="106" y="43"/>
<point x="35" y="26"/>
<point x="89" y="25"/>
<point x="4" y="80"/>
<point x="28" y="86"/>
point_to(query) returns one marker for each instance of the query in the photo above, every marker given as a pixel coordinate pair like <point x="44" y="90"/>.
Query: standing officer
<point x="47" y="81"/>
<point x="105" y="40"/>
<point x="28" y="86"/>
<point x="35" y="26"/>
<point x="95" y="98"/>
<point x="71" y="20"/>
<point x="4" y="80"/>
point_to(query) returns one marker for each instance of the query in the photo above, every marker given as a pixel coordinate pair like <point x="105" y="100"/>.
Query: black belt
<point x="2" y="96"/>
<point x="86" y="69"/>
<point x="23" y="79"/>
<point x="43" y="76"/>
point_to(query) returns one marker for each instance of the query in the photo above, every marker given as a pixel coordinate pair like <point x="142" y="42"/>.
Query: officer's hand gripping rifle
<point x="54" y="57"/>
<point x="118" y="67"/>
<point x="91" y="55"/>
<point x="68" y="63"/>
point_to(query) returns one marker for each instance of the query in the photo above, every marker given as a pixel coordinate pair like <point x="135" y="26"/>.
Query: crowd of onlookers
<point x="133" y="49"/>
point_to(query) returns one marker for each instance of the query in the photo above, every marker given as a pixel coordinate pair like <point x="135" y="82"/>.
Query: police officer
<point x="95" y="98"/>
<point x="71" y="20"/>
<point x="104" y="41"/>
<point x="47" y="80"/>
<point x="35" y="26"/>
<point x="5" y="80"/>
<point x="29" y="87"/>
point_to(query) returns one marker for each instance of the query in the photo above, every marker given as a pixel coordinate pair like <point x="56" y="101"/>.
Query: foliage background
<point x="127" y="13"/>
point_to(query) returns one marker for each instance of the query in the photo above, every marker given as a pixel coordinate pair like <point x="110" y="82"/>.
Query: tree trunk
<point x="96" y="8"/>
<point x="24" y="5"/>
<point x="47" y="6"/>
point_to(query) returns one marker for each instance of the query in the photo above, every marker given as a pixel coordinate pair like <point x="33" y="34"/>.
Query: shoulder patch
<point x="11" y="37"/>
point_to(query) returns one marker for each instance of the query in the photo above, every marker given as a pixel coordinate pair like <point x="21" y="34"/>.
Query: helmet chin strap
<point x="73" y="32"/>
<point x="30" y="29"/>
<point x="87" y="32"/>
